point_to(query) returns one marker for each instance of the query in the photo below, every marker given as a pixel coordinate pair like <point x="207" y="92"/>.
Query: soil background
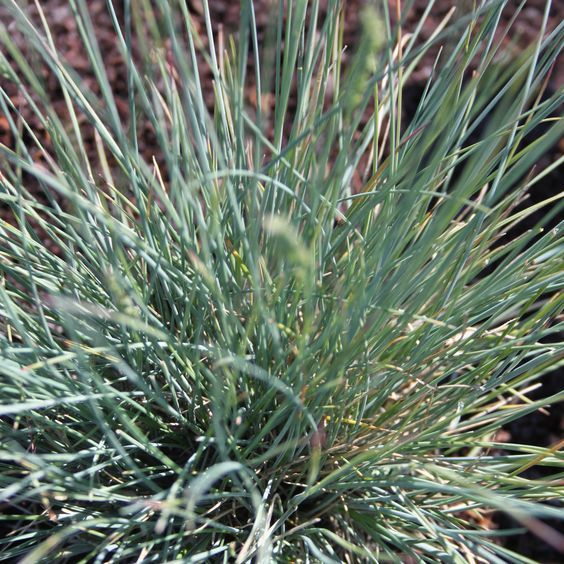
<point x="538" y="428"/>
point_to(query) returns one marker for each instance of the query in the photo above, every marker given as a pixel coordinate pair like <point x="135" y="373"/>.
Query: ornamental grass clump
<point x="292" y="329"/>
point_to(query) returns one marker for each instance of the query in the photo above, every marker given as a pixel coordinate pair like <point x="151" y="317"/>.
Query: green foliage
<point x="294" y="333"/>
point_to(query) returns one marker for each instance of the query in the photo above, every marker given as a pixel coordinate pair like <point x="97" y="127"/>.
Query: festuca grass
<point x="292" y="329"/>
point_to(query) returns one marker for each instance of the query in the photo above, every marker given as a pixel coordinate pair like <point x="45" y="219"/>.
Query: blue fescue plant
<point x="292" y="330"/>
